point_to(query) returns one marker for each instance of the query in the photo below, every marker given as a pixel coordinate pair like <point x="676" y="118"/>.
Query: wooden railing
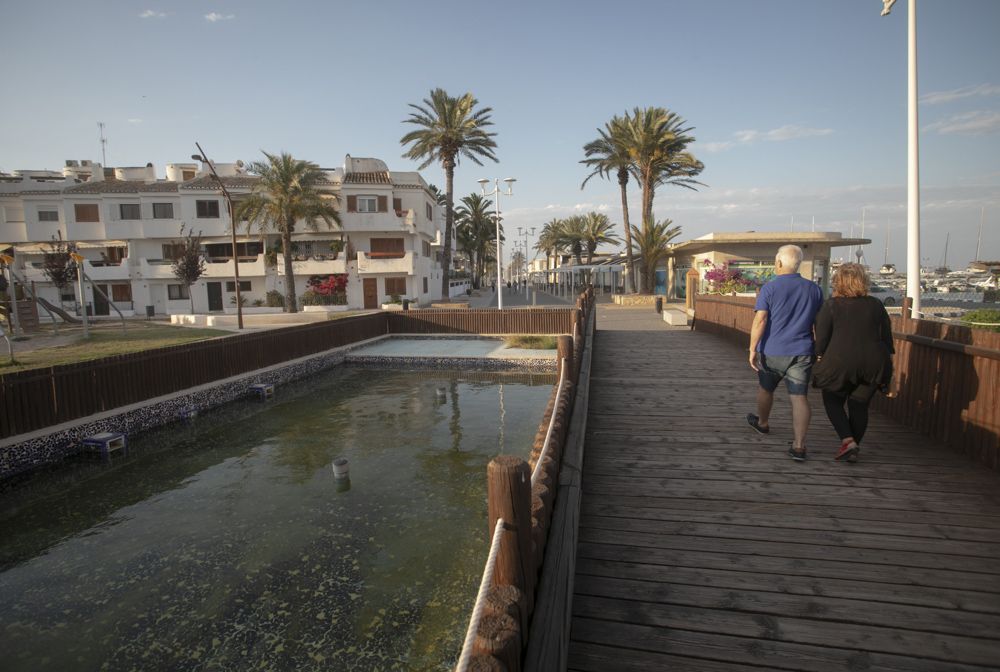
<point x="521" y="500"/>
<point x="945" y="375"/>
<point x="39" y="398"/>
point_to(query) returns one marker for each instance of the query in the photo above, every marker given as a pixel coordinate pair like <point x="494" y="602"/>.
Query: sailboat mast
<point x="979" y="240"/>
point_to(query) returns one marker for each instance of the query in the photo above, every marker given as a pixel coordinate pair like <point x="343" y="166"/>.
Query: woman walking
<point x="854" y="344"/>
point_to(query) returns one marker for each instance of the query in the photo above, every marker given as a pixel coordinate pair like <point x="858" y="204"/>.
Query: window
<point x="367" y="204"/>
<point x="87" y="212"/>
<point x="395" y="286"/>
<point x="425" y="285"/>
<point x="173" y="250"/>
<point x="387" y="248"/>
<point x="397" y="205"/>
<point x="244" y="286"/>
<point x="207" y="209"/>
<point x="187" y="175"/>
<point x="177" y="292"/>
<point x="129" y="211"/>
<point x="427" y="249"/>
<point x="48" y="215"/>
<point x="430" y="212"/>
<point x="163" y="210"/>
<point x="122" y="292"/>
<point x="225" y="250"/>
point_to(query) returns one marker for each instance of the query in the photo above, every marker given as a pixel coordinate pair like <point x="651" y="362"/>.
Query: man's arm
<point x="756" y="332"/>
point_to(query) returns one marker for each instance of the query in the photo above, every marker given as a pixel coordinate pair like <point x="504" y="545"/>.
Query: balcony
<point x="105" y="270"/>
<point x="315" y="265"/>
<point x="385" y="262"/>
<point x="223" y="268"/>
<point x="162" y="228"/>
<point x="156" y="269"/>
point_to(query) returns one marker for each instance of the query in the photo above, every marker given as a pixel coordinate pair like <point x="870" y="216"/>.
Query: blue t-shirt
<point x="791" y="303"/>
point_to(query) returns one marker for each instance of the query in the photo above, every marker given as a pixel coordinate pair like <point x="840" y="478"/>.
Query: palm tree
<point x="450" y="128"/>
<point x="610" y="154"/>
<point x="548" y="241"/>
<point x="652" y="243"/>
<point x="657" y="144"/>
<point x="570" y="236"/>
<point x="475" y="230"/>
<point x="597" y="231"/>
<point x="287" y="193"/>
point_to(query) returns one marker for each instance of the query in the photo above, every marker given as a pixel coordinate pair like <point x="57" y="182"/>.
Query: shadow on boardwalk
<point x="704" y="547"/>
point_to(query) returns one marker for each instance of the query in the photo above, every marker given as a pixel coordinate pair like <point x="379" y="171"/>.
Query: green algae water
<point x="228" y="544"/>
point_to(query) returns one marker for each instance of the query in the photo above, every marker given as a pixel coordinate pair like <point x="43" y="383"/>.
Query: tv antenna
<point x="104" y="144"/>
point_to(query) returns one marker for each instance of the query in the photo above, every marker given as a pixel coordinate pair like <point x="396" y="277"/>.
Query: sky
<point x="799" y="108"/>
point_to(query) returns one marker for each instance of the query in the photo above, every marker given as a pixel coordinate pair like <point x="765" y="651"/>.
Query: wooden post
<point x="905" y="315"/>
<point x="500" y="635"/>
<point x="692" y="278"/>
<point x="486" y="663"/>
<point x="564" y="350"/>
<point x="509" y="497"/>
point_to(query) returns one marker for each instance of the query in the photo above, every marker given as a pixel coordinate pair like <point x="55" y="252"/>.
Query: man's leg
<point x="800" y="419"/>
<point x="765" y="400"/>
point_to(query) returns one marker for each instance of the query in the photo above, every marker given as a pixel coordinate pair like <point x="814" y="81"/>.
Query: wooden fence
<point x="39" y="398"/>
<point x="945" y="375"/>
<point x="521" y="499"/>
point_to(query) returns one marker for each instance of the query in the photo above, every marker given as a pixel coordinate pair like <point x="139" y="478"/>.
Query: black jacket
<point x="854" y="338"/>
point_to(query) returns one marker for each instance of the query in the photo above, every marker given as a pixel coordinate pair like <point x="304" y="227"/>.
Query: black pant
<point x="853" y="422"/>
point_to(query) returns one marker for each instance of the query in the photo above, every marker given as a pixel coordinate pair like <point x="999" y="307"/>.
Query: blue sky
<point x="799" y="107"/>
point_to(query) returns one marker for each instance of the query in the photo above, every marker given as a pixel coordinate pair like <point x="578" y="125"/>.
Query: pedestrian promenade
<point x="702" y="546"/>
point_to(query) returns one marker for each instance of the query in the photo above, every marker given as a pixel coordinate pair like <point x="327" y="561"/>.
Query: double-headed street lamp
<point x="525" y="232"/>
<point x="497" y="193"/>
<point x="232" y="222"/>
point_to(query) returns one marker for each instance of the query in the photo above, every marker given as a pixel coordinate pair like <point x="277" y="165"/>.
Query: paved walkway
<point x="704" y="547"/>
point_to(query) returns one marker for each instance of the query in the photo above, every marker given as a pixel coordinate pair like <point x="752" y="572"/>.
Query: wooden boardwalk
<point x="704" y="547"/>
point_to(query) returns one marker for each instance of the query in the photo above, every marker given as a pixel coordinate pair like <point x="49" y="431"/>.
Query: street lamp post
<point x="912" y="164"/>
<point x="232" y="225"/>
<point x="497" y="193"/>
<point x="526" y="233"/>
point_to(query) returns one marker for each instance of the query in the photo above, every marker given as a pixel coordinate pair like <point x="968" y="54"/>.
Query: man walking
<point x="782" y="345"/>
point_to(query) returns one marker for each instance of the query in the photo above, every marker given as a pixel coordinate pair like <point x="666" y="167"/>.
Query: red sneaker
<point x="848" y="451"/>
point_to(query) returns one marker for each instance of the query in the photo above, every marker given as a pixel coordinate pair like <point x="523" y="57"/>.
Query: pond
<point x="228" y="544"/>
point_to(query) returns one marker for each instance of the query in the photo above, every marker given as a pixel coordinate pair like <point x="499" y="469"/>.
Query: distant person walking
<point x="854" y="342"/>
<point x="781" y="344"/>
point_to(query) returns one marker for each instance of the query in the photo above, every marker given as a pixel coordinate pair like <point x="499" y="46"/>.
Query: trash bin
<point x="150" y="312"/>
<point x="406" y="304"/>
<point x="659" y="304"/>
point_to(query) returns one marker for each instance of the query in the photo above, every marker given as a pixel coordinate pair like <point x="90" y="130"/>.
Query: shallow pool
<point x="227" y="543"/>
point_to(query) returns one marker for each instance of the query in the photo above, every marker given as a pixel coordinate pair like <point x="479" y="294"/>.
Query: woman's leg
<point x="834" y="405"/>
<point x="857" y="412"/>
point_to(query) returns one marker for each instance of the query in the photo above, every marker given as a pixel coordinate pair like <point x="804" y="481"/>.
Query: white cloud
<point x="135" y="121"/>
<point x="795" y="132"/>
<point x="215" y="16"/>
<point x="978" y="122"/>
<point x="980" y="90"/>
<point x="713" y="147"/>
<point x="152" y="14"/>
<point x="746" y="136"/>
<point x="780" y="134"/>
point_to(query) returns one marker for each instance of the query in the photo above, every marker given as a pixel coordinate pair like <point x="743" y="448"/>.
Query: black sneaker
<point x="754" y="422"/>
<point x="797" y="455"/>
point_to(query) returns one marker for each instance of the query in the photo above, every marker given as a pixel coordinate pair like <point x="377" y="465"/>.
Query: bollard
<point x="691" y="287"/>
<point x="659" y="304"/>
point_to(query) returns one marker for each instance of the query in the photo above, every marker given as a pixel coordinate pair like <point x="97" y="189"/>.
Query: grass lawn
<point x="106" y="339"/>
<point x="531" y="342"/>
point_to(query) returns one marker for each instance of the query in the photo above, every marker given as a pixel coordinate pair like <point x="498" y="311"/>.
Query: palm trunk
<point x="629" y="264"/>
<point x="448" y="163"/>
<point x="286" y="244"/>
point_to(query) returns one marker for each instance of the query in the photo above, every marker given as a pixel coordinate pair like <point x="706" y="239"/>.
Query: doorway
<point x="100" y="302"/>
<point x="370" y="287"/>
<point x="215" y="297"/>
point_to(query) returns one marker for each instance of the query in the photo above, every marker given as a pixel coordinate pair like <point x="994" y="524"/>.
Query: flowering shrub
<point x="328" y="290"/>
<point x="725" y="280"/>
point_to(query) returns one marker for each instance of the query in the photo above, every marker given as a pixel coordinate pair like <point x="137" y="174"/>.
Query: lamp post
<point x="232" y="225"/>
<point x="912" y="163"/>
<point x="526" y="233"/>
<point x="497" y="193"/>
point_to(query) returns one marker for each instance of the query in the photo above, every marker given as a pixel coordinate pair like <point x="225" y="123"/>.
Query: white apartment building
<point x="126" y="223"/>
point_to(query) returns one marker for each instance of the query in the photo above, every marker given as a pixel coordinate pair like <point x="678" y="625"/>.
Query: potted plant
<point x="336" y="247"/>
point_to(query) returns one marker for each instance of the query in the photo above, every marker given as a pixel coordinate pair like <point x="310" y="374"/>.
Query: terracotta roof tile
<point x="121" y="187"/>
<point x="368" y="178"/>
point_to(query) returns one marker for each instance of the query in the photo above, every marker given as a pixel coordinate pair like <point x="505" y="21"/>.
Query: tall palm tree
<point x="657" y="143"/>
<point x="570" y="236"/>
<point x="449" y="128"/>
<point x="475" y="228"/>
<point x="652" y="242"/>
<point x="286" y="194"/>
<point x="608" y="154"/>
<point x="597" y="230"/>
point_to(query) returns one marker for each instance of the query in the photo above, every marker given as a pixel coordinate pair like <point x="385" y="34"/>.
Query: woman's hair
<point x="850" y="280"/>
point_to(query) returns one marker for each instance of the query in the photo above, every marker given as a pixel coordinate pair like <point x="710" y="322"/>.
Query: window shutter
<point x="352" y="203"/>
<point x="397" y="204"/>
<point x="383" y="204"/>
